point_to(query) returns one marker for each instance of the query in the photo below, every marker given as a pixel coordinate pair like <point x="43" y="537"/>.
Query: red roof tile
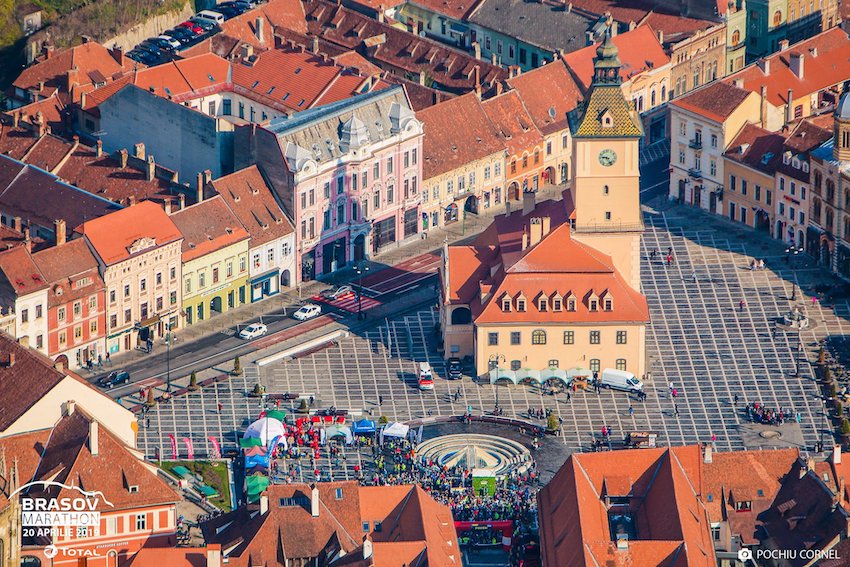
<point x="173" y="556"/>
<point x="546" y="91"/>
<point x="457" y="132"/>
<point x="21" y="272"/>
<point x="457" y="9"/>
<point x="287" y="14"/>
<point x="639" y="51"/>
<point x="757" y="148"/>
<point x="831" y="66"/>
<point x="206" y="227"/>
<point x="511" y="119"/>
<point x="716" y="101"/>
<point x="62" y="266"/>
<point x="252" y="201"/>
<point x="51" y="109"/>
<point x="112" y="235"/>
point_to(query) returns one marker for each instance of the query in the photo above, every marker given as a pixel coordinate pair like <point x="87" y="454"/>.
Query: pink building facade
<point x="349" y="174"/>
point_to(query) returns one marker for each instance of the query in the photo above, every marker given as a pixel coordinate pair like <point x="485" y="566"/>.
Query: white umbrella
<point x="396" y="429"/>
<point x="265" y="430"/>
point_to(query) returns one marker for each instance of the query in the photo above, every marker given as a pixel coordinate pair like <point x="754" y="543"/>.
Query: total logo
<point x="51" y="551"/>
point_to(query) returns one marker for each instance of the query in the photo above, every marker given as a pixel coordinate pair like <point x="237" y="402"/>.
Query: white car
<point x="171" y="41"/>
<point x="307" y="312"/>
<point x="253" y="331"/>
<point x="341" y="291"/>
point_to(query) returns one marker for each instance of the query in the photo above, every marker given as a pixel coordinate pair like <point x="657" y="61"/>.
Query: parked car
<point x="208" y="25"/>
<point x="229" y="12"/>
<point x="216" y="18"/>
<point x="426" y="376"/>
<point x="114" y="379"/>
<point x="192" y="27"/>
<point x="253" y="331"/>
<point x="142" y="56"/>
<point x="151" y="48"/>
<point x="184" y="35"/>
<point x="162" y="45"/>
<point x="341" y="291"/>
<point x="307" y="312"/>
<point x="238" y="4"/>
<point x="168" y="40"/>
<point x="454" y="371"/>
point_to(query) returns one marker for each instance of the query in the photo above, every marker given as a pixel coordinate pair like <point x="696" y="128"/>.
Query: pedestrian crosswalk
<point x="349" y="302"/>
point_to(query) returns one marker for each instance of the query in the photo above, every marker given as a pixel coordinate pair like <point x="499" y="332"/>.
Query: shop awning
<point x="528" y="374"/>
<point x="555" y="373"/>
<point x="502" y="374"/>
<point x="396" y="429"/>
<point x="364" y="426"/>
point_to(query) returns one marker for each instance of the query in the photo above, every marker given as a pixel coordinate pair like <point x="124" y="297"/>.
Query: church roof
<point x="605" y="101"/>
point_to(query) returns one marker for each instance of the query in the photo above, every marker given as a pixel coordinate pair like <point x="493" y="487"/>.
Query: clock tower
<point x="606" y="132"/>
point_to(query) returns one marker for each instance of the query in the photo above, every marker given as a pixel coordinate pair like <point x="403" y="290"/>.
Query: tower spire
<point x="606" y="65"/>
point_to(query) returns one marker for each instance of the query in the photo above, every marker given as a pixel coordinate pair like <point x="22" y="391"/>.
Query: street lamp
<point x="792" y="252"/>
<point x="494" y="363"/>
<point x="361" y="270"/>
<point x="168" y="358"/>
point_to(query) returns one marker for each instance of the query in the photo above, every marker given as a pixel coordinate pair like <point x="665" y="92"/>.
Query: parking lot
<point x="699" y="338"/>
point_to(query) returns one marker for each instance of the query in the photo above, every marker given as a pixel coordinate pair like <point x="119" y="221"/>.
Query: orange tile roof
<point x="287" y="14"/>
<point x="356" y="61"/>
<point x="51" y="108"/>
<point x="639" y="51"/>
<point x="511" y="119"/>
<point x="21" y="272"/>
<point x="673" y="24"/>
<point x="62" y="265"/>
<point x="112" y="235"/>
<point x="206" y="227"/>
<point x="671" y="523"/>
<point x="457" y="9"/>
<point x="831" y="66"/>
<point x="24" y="451"/>
<point x="546" y="91"/>
<point x="252" y="201"/>
<point x="558" y="264"/>
<point x="87" y="58"/>
<point x="172" y="556"/>
<point x="716" y="101"/>
<point x="48" y="152"/>
<point x="457" y="132"/>
<point x="757" y="148"/>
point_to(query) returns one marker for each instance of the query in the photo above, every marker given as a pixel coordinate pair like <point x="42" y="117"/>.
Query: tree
<point x="552" y="422"/>
<point x="237" y="367"/>
<point x="193" y="382"/>
<point x="827" y="374"/>
<point x="383" y="420"/>
<point x="845" y="427"/>
<point x="258" y="390"/>
<point x="302" y="407"/>
<point x="151" y="401"/>
<point x="822" y="356"/>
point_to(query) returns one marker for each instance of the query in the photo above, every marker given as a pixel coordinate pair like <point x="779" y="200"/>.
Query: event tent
<point x="396" y="429"/>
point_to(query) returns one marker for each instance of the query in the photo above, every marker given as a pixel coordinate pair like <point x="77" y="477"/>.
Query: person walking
<point x="741" y="305"/>
<point x="631" y="410"/>
<point x="380" y="400"/>
<point x="676" y="410"/>
<point x="713" y="438"/>
<point x="670" y="387"/>
<point x="100" y="361"/>
<point x="674" y="392"/>
<point x="220" y="407"/>
<point x="736" y="400"/>
<point x="568" y="395"/>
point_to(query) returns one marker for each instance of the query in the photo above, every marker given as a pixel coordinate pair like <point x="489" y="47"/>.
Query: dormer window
<point x="557" y="303"/>
<point x="743" y="506"/>
<point x="520" y="304"/>
<point x="609" y="304"/>
<point x="593" y="305"/>
<point x="571" y="303"/>
<point x="805" y="166"/>
<point x="506" y="303"/>
<point x="543" y="303"/>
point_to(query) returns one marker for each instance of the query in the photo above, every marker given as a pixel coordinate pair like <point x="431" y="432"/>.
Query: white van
<point x="426" y="377"/>
<point x="214" y="17"/>
<point x="620" y="380"/>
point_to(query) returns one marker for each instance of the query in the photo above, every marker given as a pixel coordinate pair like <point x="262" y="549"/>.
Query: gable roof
<point x="114" y="234"/>
<point x="676" y="26"/>
<point x="288" y="14"/>
<point x="826" y="63"/>
<point x="716" y="101"/>
<point x="457" y="133"/>
<point x="21" y="271"/>
<point x="549" y="93"/>
<point x="252" y="201"/>
<point x="639" y="51"/>
<point x="757" y="148"/>
<point x="512" y="121"/>
<point x="206" y="227"/>
<point x="62" y="265"/>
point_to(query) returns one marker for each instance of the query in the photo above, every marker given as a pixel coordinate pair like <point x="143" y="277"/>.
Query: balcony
<point x="695" y="144"/>
<point x="695" y="173"/>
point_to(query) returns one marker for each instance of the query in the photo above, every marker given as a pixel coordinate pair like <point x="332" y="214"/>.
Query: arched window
<point x="594" y="364"/>
<point x="461" y="316"/>
<point x="652" y="99"/>
<point x="830" y="191"/>
<point x="538" y="337"/>
<point x="663" y="92"/>
<point x="816" y="210"/>
<point x="818" y="180"/>
<point x="621" y="364"/>
<point x="829" y="220"/>
<point x="736" y="37"/>
<point x="30" y="561"/>
<point x="777" y="18"/>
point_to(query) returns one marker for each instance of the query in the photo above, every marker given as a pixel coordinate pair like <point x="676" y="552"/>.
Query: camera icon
<point x="745" y="555"/>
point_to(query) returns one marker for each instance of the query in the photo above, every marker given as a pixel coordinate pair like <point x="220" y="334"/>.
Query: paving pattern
<point x="348" y="302"/>
<point x="699" y="339"/>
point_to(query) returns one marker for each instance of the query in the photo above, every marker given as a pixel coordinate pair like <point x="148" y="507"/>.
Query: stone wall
<point x="150" y="28"/>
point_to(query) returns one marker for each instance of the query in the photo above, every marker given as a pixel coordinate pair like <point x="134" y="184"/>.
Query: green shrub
<point x="383" y="420"/>
<point x="845" y="426"/>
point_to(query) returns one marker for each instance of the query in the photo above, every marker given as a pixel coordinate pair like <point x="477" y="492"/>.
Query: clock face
<point x="607" y="157"/>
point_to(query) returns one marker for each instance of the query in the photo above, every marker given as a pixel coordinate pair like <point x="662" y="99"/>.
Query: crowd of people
<point x="758" y="413"/>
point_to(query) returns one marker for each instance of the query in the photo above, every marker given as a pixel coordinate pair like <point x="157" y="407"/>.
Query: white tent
<point x="396" y="429"/>
<point x="340" y="431"/>
<point x="265" y="430"/>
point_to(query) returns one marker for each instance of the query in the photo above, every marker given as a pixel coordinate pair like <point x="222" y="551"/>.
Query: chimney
<point x="167" y="205"/>
<point x="182" y="199"/>
<point x="836" y="454"/>
<point x="528" y="204"/>
<point x="85" y="38"/>
<point x="789" y="107"/>
<point x="569" y="7"/>
<point x="123" y="155"/>
<point x="547" y="224"/>
<point x="93" y="438"/>
<point x="314" y="44"/>
<point x="83" y="100"/>
<point x="260" y="27"/>
<point x="247" y="52"/>
<point x="59" y="229"/>
<point x="588" y="38"/>
<point x="707" y="454"/>
<point x="814" y="51"/>
<point x="314" y="501"/>
<point x="131" y="200"/>
<point x="70" y="407"/>
<point x="264" y="503"/>
<point x="151" y="172"/>
<point x="213" y="555"/>
<point x="139" y="150"/>
<point x="47" y="50"/>
<point x="72" y="78"/>
<point x="367" y="547"/>
<point x="422" y="78"/>
<point x="524" y="239"/>
<point x="738" y="83"/>
<point x="804" y="467"/>
<point x="499" y="88"/>
<point x="117" y="53"/>
<point x="783" y="44"/>
<point x="16" y="119"/>
<point x="11" y="362"/>
<point x="797" y="64"/>
<point x="476" y="49"/>
<point x="623" y="543"/>
<point x="764" y="65"/>
<point x="17" y="225"/>
<point x="380" y="13"/>
<point x="493" y="59"/>
<point x="27" y="239"/>
<point x="535" y="231"/>
<point x="207" y="176"/>
<point x="763" y="107"/>
<point x="39" y="124"/>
